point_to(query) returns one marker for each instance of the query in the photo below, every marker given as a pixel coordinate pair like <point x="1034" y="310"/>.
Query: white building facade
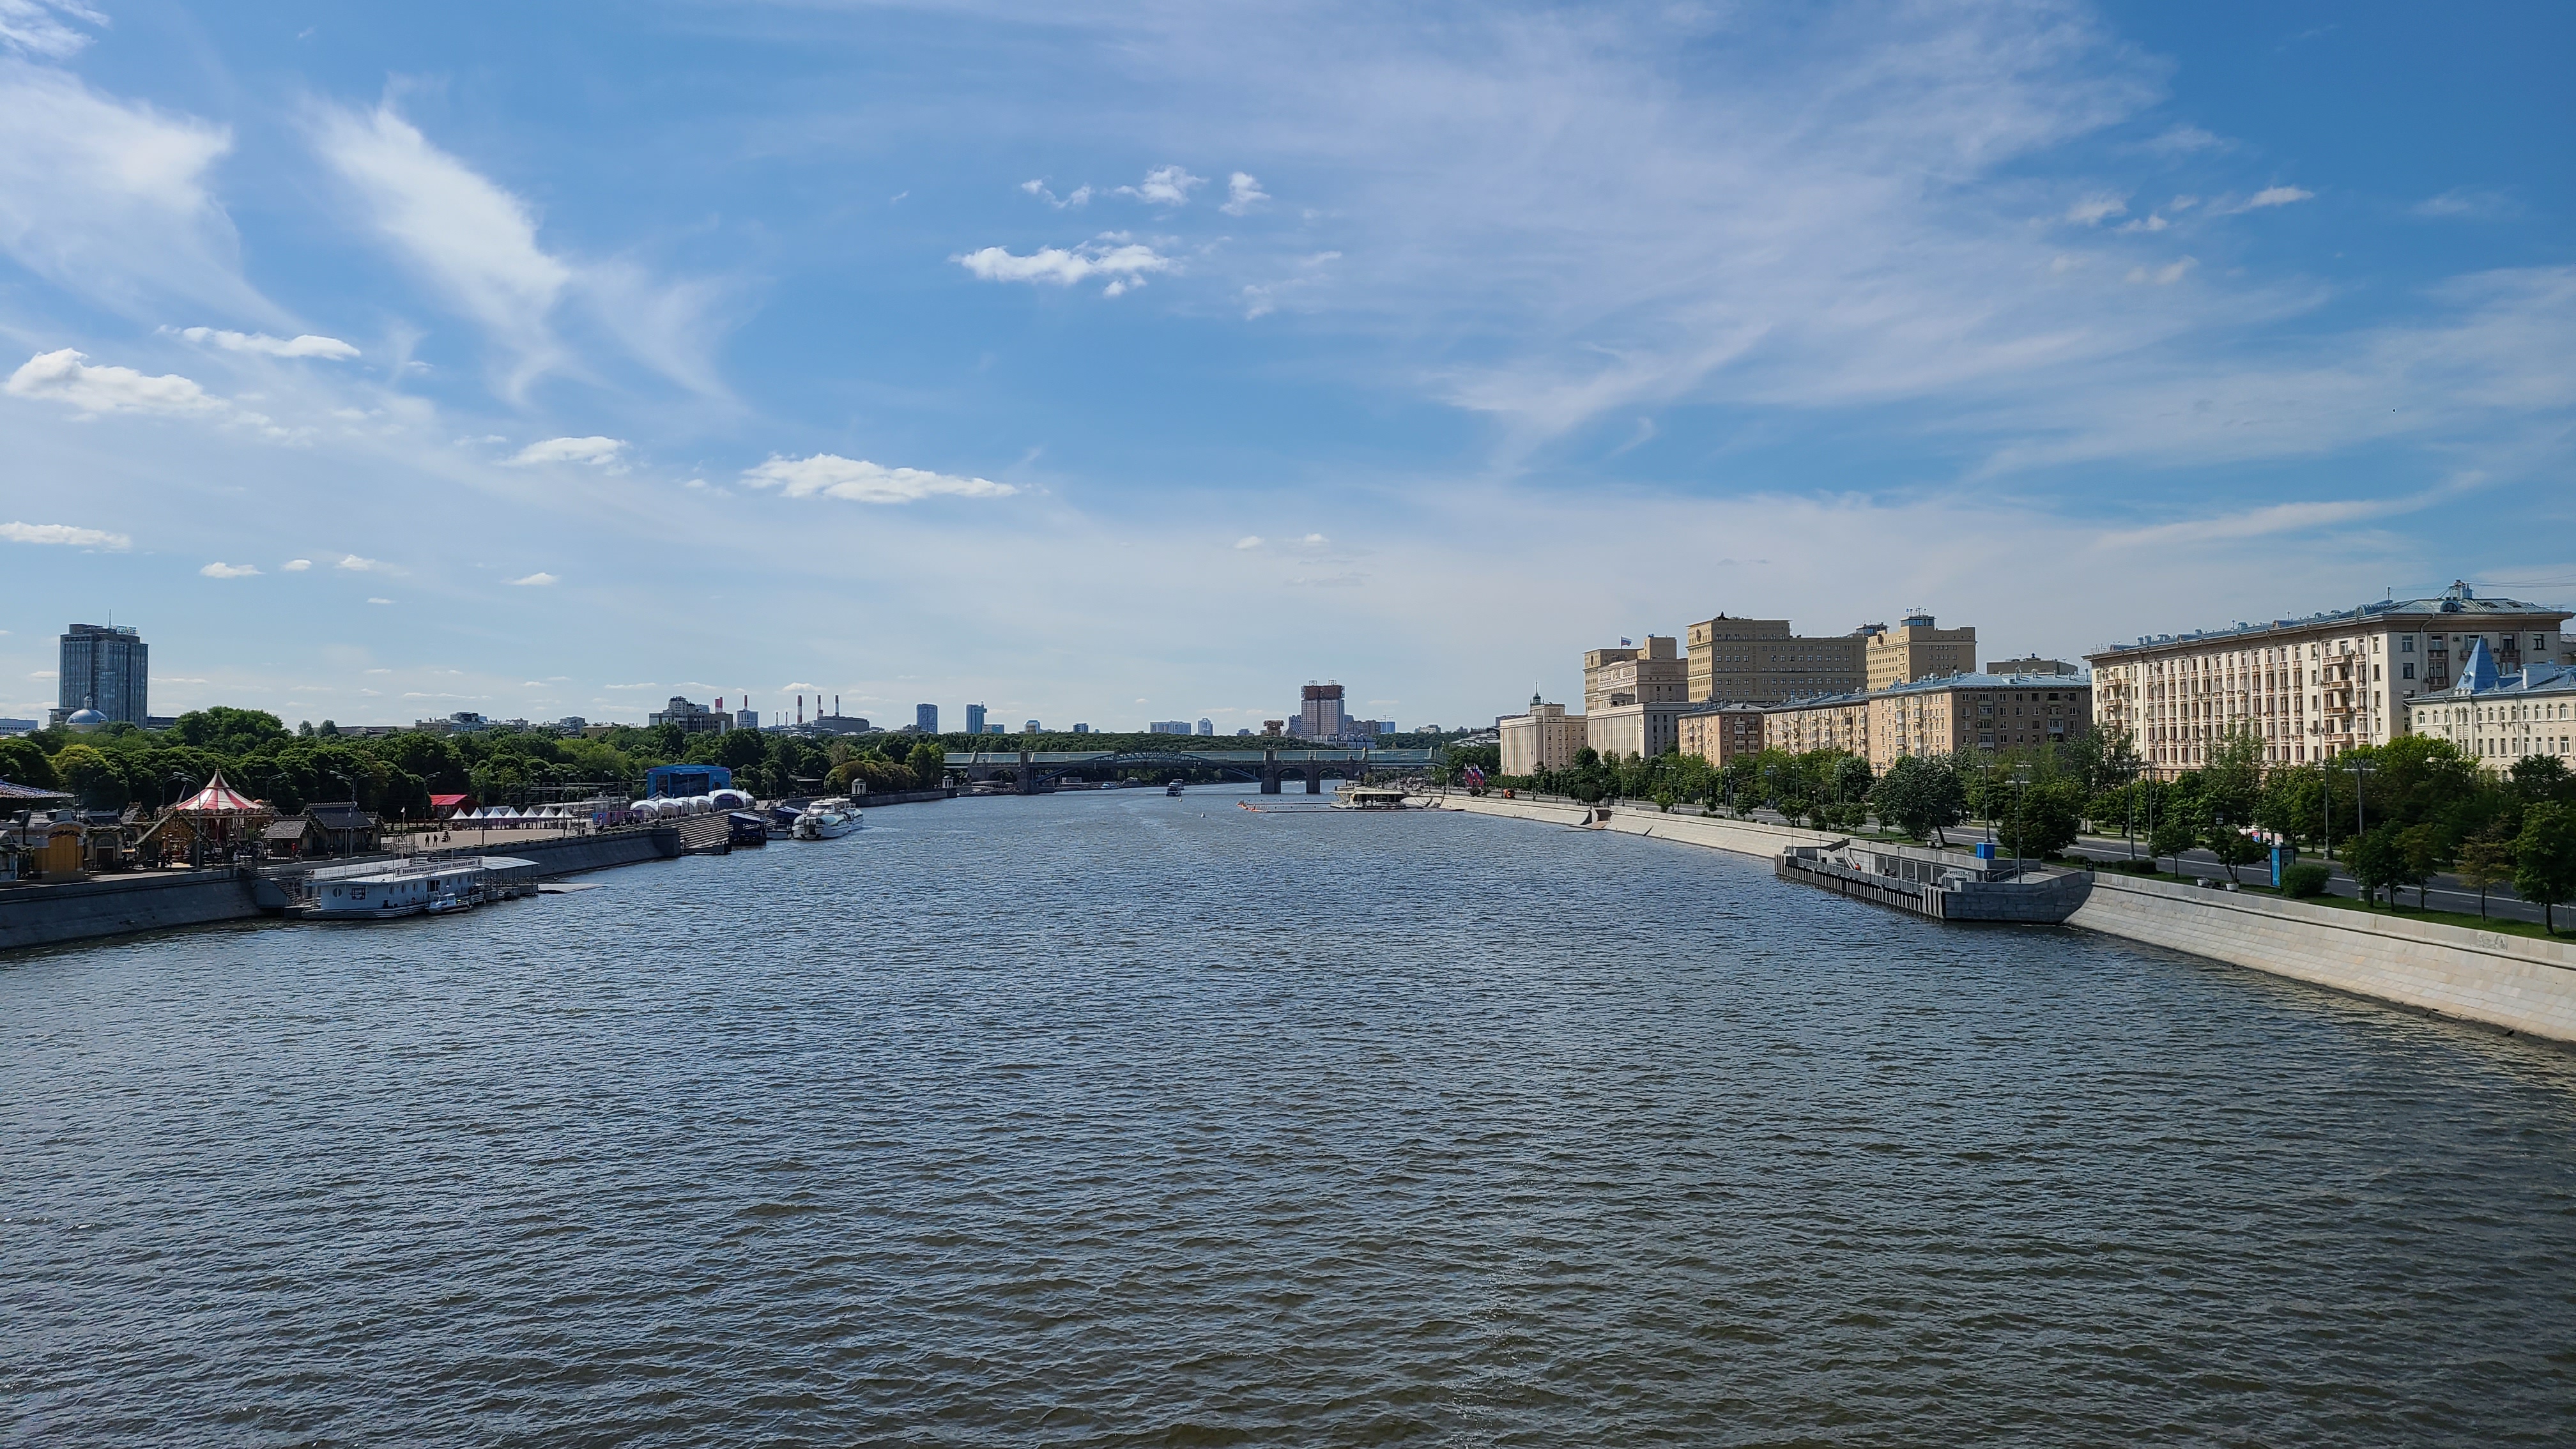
<point x="2499" y="719"/>
<point x="2307" y="689"/>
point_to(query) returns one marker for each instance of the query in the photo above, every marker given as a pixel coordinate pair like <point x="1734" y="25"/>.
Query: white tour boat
<point x="827" y="819"/>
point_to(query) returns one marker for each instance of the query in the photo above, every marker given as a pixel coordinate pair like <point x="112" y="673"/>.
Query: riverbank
<point x="52" y="913"/>
<point x="2521" y="985"/>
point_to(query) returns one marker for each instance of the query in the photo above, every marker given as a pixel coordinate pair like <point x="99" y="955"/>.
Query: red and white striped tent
<point x="219" y="798"/>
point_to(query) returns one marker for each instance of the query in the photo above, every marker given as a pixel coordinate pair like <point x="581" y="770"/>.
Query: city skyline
<point x="402" y="364"/>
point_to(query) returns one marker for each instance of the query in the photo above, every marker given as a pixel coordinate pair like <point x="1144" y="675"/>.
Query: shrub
<point x="2304" y="879"/>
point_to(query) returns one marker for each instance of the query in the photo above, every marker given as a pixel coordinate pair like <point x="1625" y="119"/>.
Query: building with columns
<point x="1546" y="738"/>
<point x="2308" y="689"/>
<point x="2499" y="719"/>
<point x="1633" y="699"/>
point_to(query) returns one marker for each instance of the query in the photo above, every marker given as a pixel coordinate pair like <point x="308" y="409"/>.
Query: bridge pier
<point x="1027" y="784"/>
<point x="1270" y="772"/>
<point x="1314" y="778"/>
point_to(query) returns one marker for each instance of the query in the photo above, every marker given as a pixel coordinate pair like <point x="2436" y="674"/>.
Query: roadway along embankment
<point x="2514" y="982"/>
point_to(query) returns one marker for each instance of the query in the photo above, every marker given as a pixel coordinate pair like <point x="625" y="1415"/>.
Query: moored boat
<point x="827" y="819"/>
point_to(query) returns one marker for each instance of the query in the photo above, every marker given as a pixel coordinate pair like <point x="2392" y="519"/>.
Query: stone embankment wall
<point x="47" y="914"/>
<point x="2514" y="982"/>
<point x="2509" y="981"/>
<point x="579" y="853"/>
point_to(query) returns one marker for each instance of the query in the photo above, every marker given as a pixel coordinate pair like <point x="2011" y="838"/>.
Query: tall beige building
<point x="1546" y="738"/>
<point x="1633" y="698"/>
<point x="2309" y="689"/>
<point x="1942" y="715"/>
<point x="1917" y="649"/>
<point x="1760" y="659"/>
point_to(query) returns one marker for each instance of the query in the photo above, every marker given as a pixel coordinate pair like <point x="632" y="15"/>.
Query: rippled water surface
<point x="1115" y="1119"/>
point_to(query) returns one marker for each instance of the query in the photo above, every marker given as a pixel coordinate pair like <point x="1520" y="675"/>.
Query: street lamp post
<point x="2021" y="781"/>
<point x="2361" y="769"/>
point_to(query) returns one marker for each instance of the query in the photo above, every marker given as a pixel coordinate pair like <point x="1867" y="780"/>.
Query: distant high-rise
<point x="1207" y="727"/>
<point x="105" y="667"/>
<point x="1167" y="727"/>
<point x="974" y="719"/>
<point x="1319" y="712"/>
<point x="925" y="718"/>
<point x="1033" y="727"/>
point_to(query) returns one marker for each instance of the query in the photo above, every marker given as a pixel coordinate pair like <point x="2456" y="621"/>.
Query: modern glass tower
<point x="105" y="668"/>
<point x="974" y="719"/>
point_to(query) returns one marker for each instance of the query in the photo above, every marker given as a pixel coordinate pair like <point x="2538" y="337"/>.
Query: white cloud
<point x="2164" y="276"/>
<point x="306" y="345"/>
<point x="2185" y="140"/>
<point x="63" y="534"/>
<point x="1125" y="263"/>
<point x="229" y="571"/>
<point x="474" y="241"/>
<point x="357" y="565"/>
<point x="860" y="481"/>
<point x="379" y="601"/>
<point x="1252" y="540"/>
<point x="2268" y="196"/>
<point x="1165" y="186"/>
<point x="1242" y="194"/>
<point x="109" y="198"/>
<point x="295" y="565"/>
<point x="36" y="27"/>
<point x="2094" y="210"/>
<point x="2153" y="221"/>
<point x="2470" y="204"/>
<point x="66" y="376"/>
<point x="535" y="581"/>
<point x="608" y="453"/>
<point x="1080" y="196"/>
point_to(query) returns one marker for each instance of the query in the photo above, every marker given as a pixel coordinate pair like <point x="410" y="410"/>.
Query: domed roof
<point x="84" y="720"/>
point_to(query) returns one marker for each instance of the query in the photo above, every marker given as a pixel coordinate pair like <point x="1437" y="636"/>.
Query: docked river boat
<point x="1938" y="883"/>
<point x="390" y="890"/>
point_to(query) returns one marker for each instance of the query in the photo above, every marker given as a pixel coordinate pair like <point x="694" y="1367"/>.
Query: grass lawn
<point x="2498" y="924"/>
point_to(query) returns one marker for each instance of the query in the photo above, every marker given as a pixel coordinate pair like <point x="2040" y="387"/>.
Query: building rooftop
<point x="2480" y="680"/>
<point x="2458" y="600"/>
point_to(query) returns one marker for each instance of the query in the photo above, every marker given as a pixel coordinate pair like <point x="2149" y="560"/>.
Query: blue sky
<point x="1139" y="361"/>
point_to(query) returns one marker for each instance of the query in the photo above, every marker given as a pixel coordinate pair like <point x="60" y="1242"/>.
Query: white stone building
<point x="2498" y="719"/>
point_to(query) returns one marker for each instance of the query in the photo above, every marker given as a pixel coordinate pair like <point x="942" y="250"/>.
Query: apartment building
<point x="1915" y="649"/>
<point x="1546" y="738"/>
<point x="2309" y="689"/>
<point x="1940" y="716"/>
<point x="1720" y="732"/>
<point x="2497" y="718"/>
<point x="1762" y="659"/>
<point x="1634" y="698"/>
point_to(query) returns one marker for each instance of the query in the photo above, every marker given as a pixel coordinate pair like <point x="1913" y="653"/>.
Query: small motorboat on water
<point x="1173" y="789"/>
<point x="827" y="819"/>
<point x="1369" y="797"/>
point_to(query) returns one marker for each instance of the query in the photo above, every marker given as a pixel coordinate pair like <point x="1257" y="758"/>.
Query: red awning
<point x="219" y="798"/>
<point x="448" y="802"/>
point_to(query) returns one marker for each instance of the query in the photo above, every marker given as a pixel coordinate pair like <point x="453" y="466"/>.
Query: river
<point x="1114" y="1119"/>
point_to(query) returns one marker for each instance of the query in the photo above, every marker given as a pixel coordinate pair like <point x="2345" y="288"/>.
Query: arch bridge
<point x="1032" y="768"/>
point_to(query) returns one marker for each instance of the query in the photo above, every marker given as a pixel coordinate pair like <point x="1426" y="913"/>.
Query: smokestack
<point x="836" y="706"/>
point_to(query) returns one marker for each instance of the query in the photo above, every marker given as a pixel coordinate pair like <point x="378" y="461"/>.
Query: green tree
<point x="2544" y="855"/>
<point x="2486" y="861"/>
<point x="24" y="762"/>
<point x="2543" y="777"/>
<point x="2173" y="834"/>
<point x="230" y="731"/>
<point x="2227" y="840"/>
<point x="91" y="774"/>
<point x="2048" y="818"/>
<point x="2420" y="851"/>
<point x="1921" y="795"/>
<point x="929" y="765"/>
<point x="2378" y="862"/>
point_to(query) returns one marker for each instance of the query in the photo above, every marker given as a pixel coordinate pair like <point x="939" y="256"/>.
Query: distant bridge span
<point x="1030" y="768"/>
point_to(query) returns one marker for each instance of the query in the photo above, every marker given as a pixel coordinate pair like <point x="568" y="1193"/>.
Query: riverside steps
<point x="2514" y="982"/>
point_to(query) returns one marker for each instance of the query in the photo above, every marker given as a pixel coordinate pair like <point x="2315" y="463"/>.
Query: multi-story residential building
<point x="1546" y="738"/>
<point x="2308" y="689"/>
<point x="1167" y="727"/>
<point x="1939" y="716"/>
<point x="1207" y="727"/>
<point x="1720" y="732"/>
<point x="2031" y="664"/>
<point x="2498" y="719"/>
<point x="691" y="717"/>
<point x="105" y="667"/>
<point x="974" y="719"/>
<point x="1634" y="698"/>
<point x="925" y="718"/>
<point x="1915" y="649"/>
<point x="1760" y="659"/>
<point x="1319" y="711"/>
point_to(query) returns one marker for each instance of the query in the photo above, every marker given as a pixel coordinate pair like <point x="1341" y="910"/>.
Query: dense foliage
<point x="396" y="774"/>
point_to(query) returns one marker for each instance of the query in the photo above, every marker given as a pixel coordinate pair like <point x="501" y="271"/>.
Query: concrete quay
<point x="2519" y="984"/>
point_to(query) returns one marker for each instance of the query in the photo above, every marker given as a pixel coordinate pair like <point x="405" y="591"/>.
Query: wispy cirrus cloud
<point x="828" y="475"/>
<point x="475" y="242"/>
